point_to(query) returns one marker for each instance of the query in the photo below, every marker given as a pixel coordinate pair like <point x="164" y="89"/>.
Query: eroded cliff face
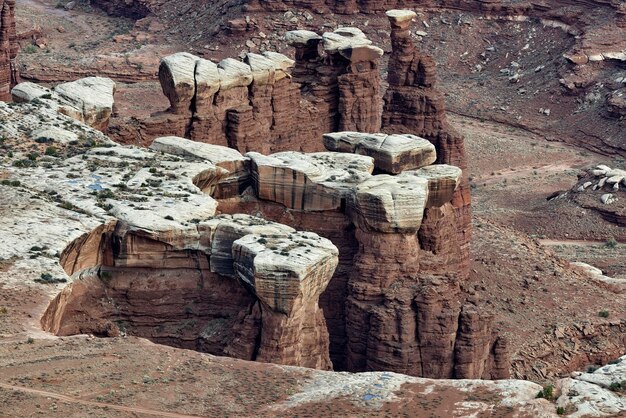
<point x="260" y="104"/>
<point x="391" y="297"/>
<point x="401" y="263"/>
<point x="413" y="104"/>
<point x="8" y="49"/>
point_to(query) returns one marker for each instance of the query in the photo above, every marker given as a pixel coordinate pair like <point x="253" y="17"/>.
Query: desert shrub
<point x="47" y="278"/>
<point x="611" y="243"/>
<point x="52" y="151"/>
<point x="30" y="49"/>
<point x="546" y="393"/>
<point x="603" y="314"/>
<point x="560" y="410"/>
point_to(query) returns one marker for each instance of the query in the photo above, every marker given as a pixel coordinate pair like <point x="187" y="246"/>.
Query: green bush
<point x="603" y="314"/>
<point x="546" y="393"/>
<point x="30" y="49"/>
<point x="52" y="151"/>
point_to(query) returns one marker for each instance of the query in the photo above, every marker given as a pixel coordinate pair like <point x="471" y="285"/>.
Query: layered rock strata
<point x="288" y="274"/>
<point x="162" y="264"/>
<point x="400" y="261"/>
<point x="392" y="153"/>
<point x="413" y="105"/>
<point x="380" y="290"/>
<point x="8" y="49"/>
<point x="261" y="104"/>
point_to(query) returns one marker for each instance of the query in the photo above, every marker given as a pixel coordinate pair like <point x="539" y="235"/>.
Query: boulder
<point x="91" y="98"/>
<point x="27" y="92"/>
<point x="392" y="153"/>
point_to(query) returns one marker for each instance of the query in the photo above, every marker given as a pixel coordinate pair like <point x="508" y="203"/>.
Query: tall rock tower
<point x="8" y="49"/>
<point x="413" y="105"/>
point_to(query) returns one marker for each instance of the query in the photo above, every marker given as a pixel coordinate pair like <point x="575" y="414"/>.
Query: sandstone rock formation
<point x="288" y="275"/>
<point x="267" y="102"/>
<point x="392" y="153"/>
<point x="89" y="100"/>
<point x="413" y="105"/>
<point x="8" y="49"/>
<point x="118" y="281"/>
<point x="396" y="285"/>
<point x="400" y="258"/>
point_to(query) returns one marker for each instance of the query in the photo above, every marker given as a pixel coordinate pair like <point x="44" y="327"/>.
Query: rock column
<point x="413" y="105"/>
<point x="8" y="49"/>
<point x="288" y="274"/>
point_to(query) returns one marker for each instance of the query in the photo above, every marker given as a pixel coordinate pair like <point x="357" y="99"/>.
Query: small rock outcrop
<point x="603" y="189"/>
<point x="88" y="100"/>
<point x="8" y="49"/>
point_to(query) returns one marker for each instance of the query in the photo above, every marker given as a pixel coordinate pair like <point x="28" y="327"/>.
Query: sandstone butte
<point x="254" y="226"/>
<point x="384" y="245"/>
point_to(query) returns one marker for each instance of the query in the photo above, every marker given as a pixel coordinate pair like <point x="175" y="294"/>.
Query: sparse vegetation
<point x="618" y="386"/>
<point x="47" y="278"/>
<point x="546" y="393"/>
<point x="52" y="151"/>
<point x="603" y="314"/>
<point x="30" y="49"/>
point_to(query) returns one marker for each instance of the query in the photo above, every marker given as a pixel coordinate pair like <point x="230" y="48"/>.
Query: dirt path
<point x="581" y="243"/>
<point x="70" y="399"/>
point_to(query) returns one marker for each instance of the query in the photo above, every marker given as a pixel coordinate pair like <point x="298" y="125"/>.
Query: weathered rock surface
<point x="391" y="153"/>
<point x="288" y="275"/>
<point x="92" y="96"/>
<point x="160" y="264"/>
<point x="236" y="174"/>
<point x="308" y="182"/>
<point x="589" y="400"/>
<point x="177" y="74"/>
<point x="267" y="102"/>
<point x="413" y="105"/>
<point x="89" y="100"/>
<point x="387" y="203"/>
<point x="8" y="49"/>
<point x="405" y="275"/>
<point x="443" y="182"/>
